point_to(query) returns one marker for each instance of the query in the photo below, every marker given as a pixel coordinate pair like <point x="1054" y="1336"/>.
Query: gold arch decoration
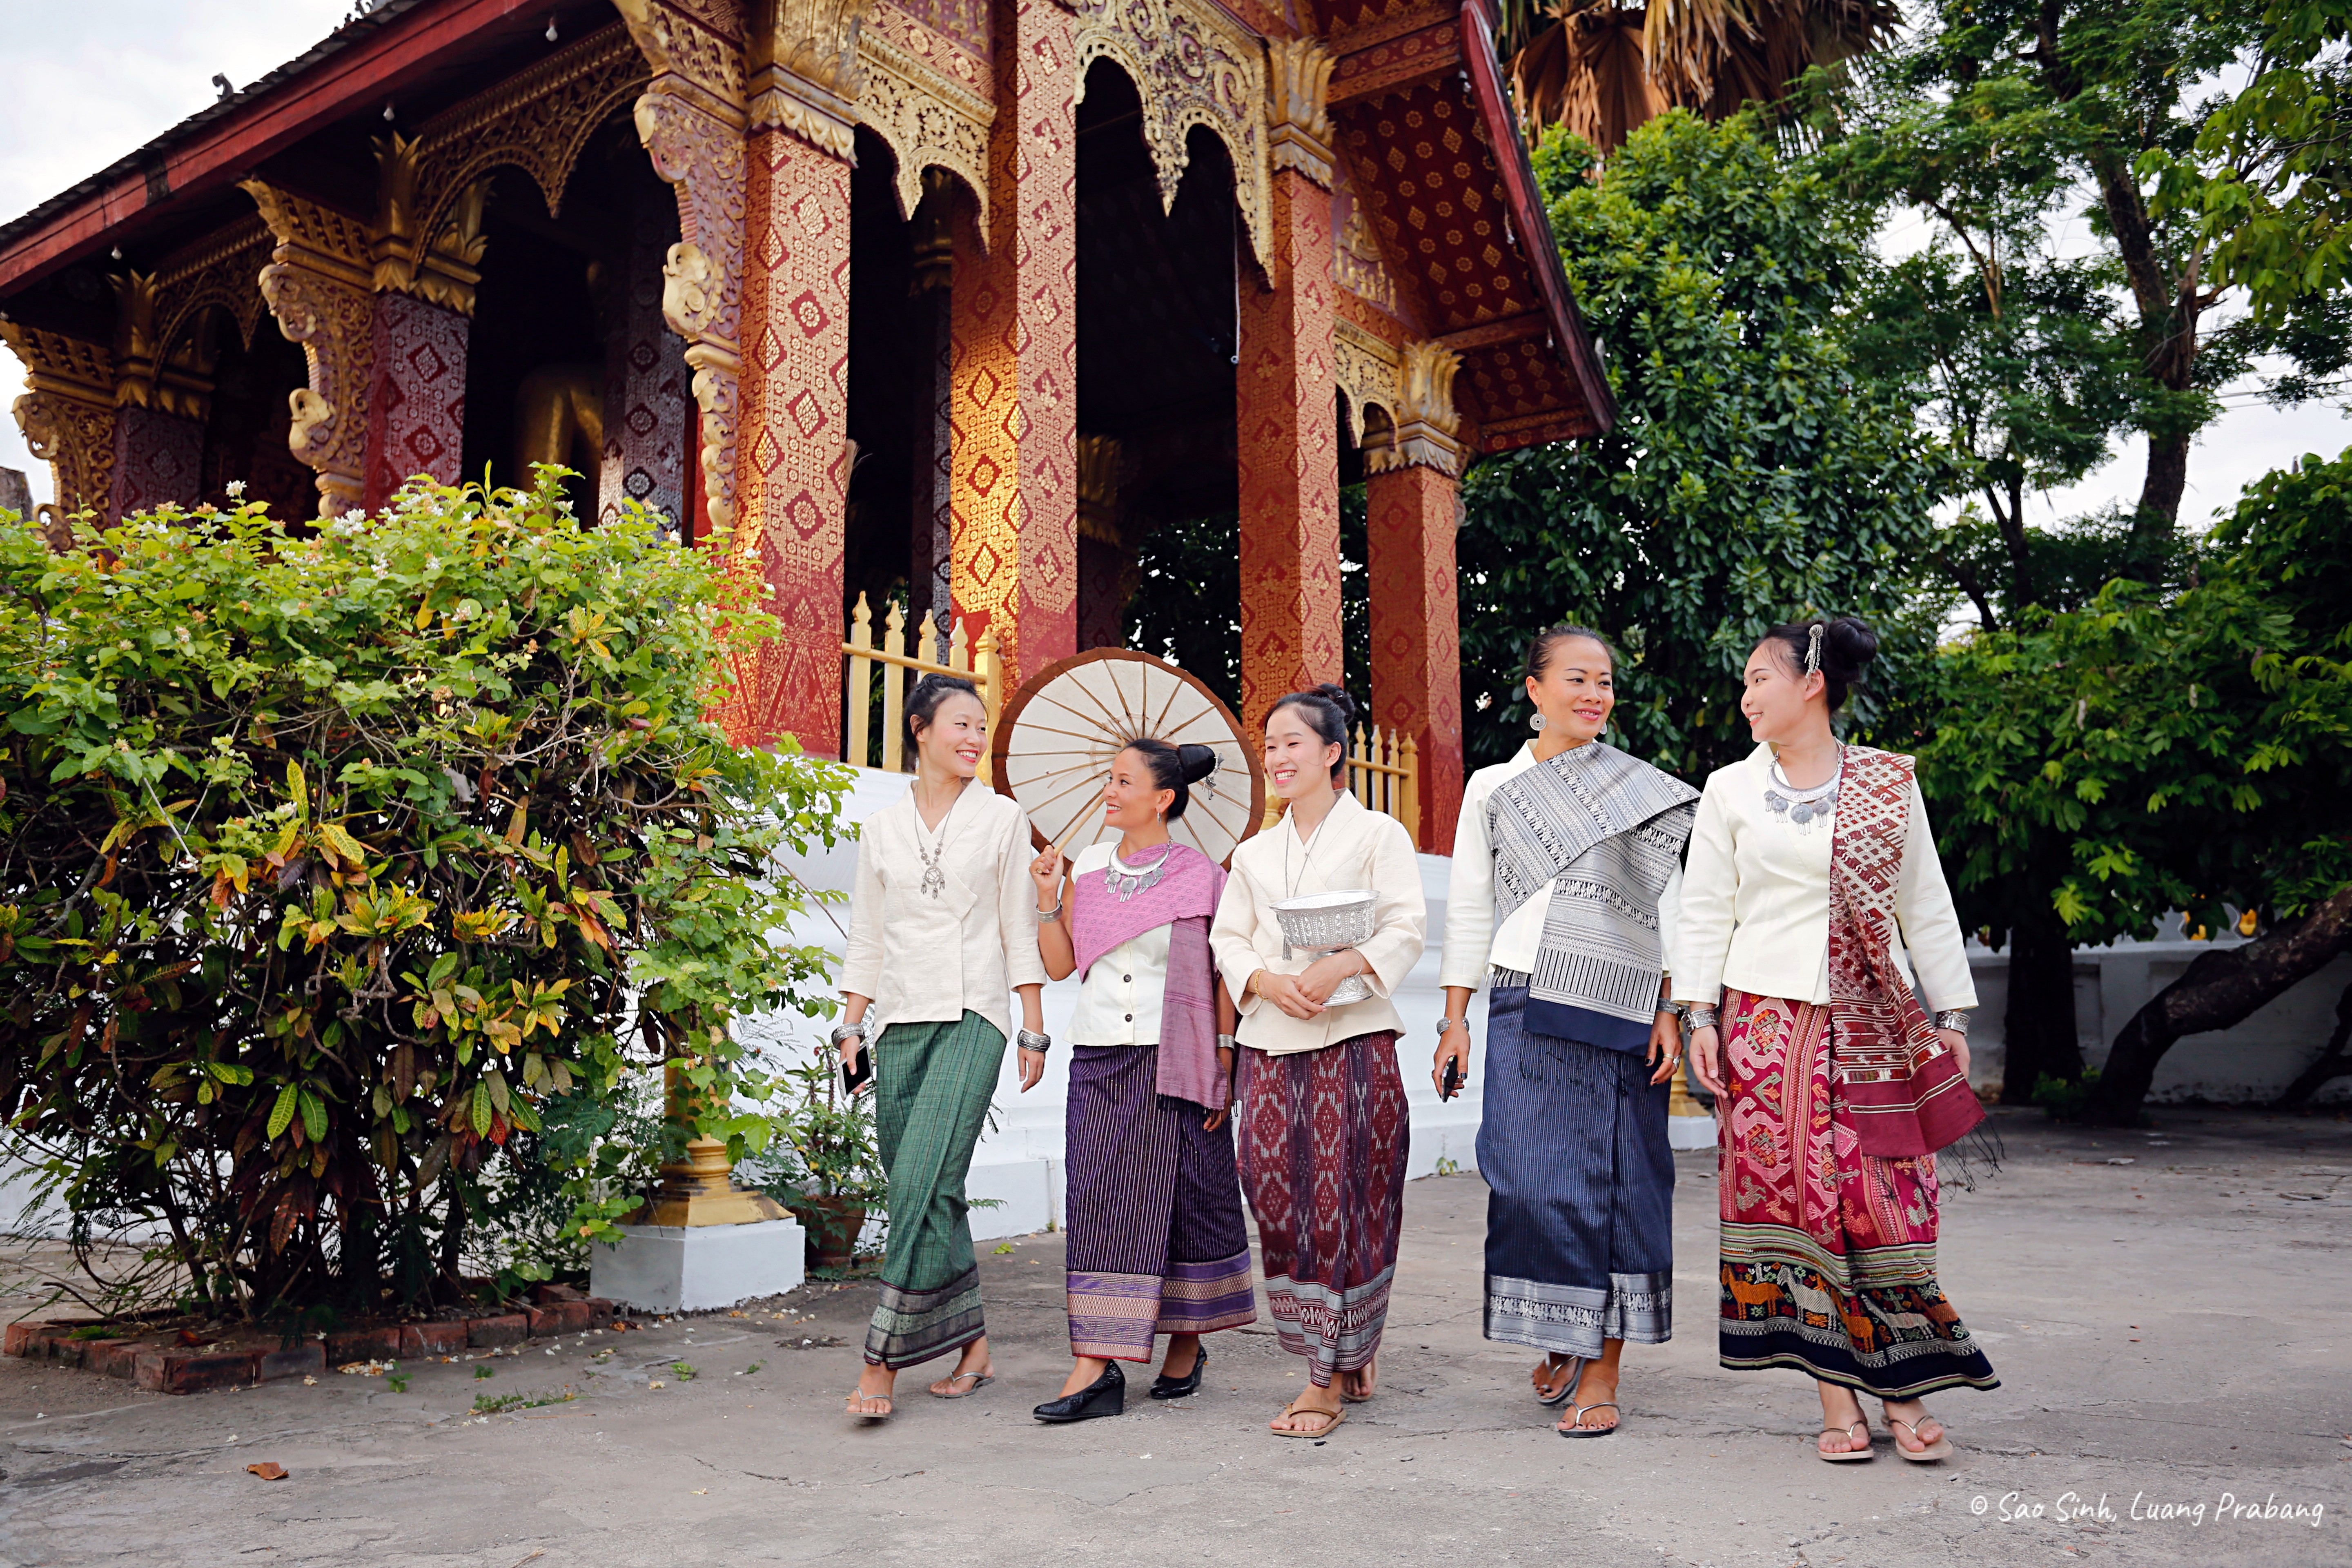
<point x="929" y="121"/>
<point x="1368" y="372"/>
<point x="1191" y="64"/>
<point x="222" y="271"/>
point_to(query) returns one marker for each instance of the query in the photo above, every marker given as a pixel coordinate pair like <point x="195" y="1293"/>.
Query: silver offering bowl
<point x="1326" y="923"/>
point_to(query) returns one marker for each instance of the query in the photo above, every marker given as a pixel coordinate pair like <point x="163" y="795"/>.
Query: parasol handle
<point x="1070" y="832"/>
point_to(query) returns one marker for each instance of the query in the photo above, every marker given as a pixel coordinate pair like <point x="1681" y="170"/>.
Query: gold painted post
<point x="894" y="687"/>
<point x="699" y="1188"/>
<point x="990" y="667"/>
<point x="1409" y="786"/>
<point x="1679" y="1102"/>
<point x="861" y="673"/>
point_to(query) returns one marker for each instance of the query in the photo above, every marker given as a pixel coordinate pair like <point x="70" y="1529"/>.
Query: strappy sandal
<point x="1941" y="1448"/>
<point x="888" y="1401"/>
<point x="1575" y="1427"/>
<point x="1850" y="1456"/>
<point x="1365" y="1399"/>
<point x="1574" y="1369"/>
<point x="979" y="1380"/>
<point x="1291" y="1410"/>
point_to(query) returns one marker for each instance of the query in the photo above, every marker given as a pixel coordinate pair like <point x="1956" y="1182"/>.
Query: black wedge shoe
<point x="1166" y="1387"/>
<point x="1106" y="1395"/>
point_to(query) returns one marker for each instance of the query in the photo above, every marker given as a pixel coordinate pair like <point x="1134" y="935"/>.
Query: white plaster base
<point x="694" y="1268"/>
<point x="1690" y="1133"/>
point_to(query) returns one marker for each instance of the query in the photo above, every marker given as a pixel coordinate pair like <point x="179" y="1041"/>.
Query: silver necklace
<point x="1802" y="807"/>
<point x="1127" y="881"/>
<point x="934" y="879"/>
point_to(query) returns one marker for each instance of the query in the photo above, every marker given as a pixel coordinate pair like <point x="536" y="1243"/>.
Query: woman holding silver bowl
<point x="1322" y="919"/>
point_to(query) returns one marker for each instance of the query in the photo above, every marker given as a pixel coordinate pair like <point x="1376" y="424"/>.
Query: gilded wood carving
<point x="320" y="285"/>
<point x="929" y="121"/>
<point x="66" y="414"/>
<point x="1191" y="64"/>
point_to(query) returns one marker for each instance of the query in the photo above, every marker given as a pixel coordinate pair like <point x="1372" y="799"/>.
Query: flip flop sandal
<point x="888" y="1402"/>
<point x="1576" y="1427"/>
<point x="1940" y="1450"/>
<point x="979" y="1380"/>
<point x="1292" y="1409"/>
<point x="1852" y="1455"/>
<point x="1574" y="1369"/>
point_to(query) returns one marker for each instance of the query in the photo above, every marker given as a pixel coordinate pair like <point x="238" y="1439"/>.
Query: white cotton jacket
<point x="926" y="959"/>
<point x="1352" y="848"/>
<point x="1474" y="945"/>
<point x="1755" y="913"/>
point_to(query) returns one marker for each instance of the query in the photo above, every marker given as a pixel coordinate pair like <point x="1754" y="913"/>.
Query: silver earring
<point x="1535" y="720"/>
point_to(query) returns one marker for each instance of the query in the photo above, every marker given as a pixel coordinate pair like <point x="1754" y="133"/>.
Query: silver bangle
<point x="847" y="1031"/>
<point x="1447" y="1025"/>
<point x="1047" y="916"/>
<point x="1679" y="1009"/>
<point x="1953" y="1018"/>
<point x="1226" y="1043"/>
<point x="1704" y="1017"/>
<point x="1031" y="1040"/>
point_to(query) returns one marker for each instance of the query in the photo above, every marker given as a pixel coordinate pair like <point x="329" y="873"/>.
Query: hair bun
<point x="1848" y="644"/>
<point x="1196" y="761"/>
<point x="1338" y="697"/>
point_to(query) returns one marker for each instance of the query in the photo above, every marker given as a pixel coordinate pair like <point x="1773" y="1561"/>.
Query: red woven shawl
<point x="1905" y="1089"/>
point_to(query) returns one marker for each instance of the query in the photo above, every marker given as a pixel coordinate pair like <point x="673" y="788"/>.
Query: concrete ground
<point x="2167" y="1310"/>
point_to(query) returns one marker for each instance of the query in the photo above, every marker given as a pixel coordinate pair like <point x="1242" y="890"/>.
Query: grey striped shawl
<point x="1610" y="827"/>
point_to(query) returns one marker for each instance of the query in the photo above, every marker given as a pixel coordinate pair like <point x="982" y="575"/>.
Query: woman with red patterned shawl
<point x="1812" y="895"/>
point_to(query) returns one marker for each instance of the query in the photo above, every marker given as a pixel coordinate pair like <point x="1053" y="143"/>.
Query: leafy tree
<point x="1754" y="471"/>
<point x="338" y="871"/>
<point x="2167" y="750"/>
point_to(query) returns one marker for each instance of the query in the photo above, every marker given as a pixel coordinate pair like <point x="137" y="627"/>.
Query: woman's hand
<point x="1706" y="1059"/>
<point x="1224" y="1070"/>
<point x="1958" y="1044"/>
<point x="1286" y="993"/>
<point x="1046" y="872"/>
<point x="1665" y="1045"/>
<point x="1323" y="976"/>
<point x="1452" y="1045"/>
<point x="1032" y="1069"/>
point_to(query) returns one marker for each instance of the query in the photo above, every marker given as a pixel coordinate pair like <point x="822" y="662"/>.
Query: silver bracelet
<point x="1953" y="1018"/>
<point x="1031" y="1040"/>
<point x="847" y="1031"/>
<point x="1679" y="1009"/>
<point x="1447" y="1025"/>
<point x="1703" y="1017"/>
<point x="1047" y="916"/>
<point x="1226" y="1043"/>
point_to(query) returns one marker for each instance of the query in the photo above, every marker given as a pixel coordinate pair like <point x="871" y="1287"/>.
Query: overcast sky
<point x="86" y="83"/>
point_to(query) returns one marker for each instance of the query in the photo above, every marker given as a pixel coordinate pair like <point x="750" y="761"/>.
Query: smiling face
<point x="1132" y="798"/>
<point x="1576" y="691"/>
<point x="1298" y="761"/>
<point x="1778" y="695"/>
<point x="957" y="737"/>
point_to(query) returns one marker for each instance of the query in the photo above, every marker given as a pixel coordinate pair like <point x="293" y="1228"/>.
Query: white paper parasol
<point x="1055" y="740"/>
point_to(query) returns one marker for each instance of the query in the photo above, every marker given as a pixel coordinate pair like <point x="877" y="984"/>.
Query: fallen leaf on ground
<point x="268" y="1470"/>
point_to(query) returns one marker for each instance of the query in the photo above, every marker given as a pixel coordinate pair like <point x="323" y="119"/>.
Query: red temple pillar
<point x="416" y="410"/>
<point x="1014" y="543"/>
<point x="1412" y="490"/>
<point x="793" y="446"/>
<point x="1286" y="407"/>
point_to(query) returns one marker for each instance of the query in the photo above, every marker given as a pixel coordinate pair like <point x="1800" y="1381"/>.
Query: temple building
<point x="950" y="302"/>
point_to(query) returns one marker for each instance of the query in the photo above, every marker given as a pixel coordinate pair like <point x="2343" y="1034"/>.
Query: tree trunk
<point x="2221" y="988"/>
<point x="2040" y="1020"/>
<point x="2334" y="1062"/>
<point x="2159" y="500"/>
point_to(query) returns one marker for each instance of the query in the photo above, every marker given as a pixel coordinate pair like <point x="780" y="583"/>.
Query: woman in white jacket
<point x="1812" y="872"/>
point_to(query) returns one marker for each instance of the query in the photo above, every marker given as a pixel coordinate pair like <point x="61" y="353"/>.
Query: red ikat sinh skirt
<point x="1828" y="1254"/>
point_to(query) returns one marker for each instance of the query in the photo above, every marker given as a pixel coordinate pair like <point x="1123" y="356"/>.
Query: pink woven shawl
<point x="1183" y="899"/>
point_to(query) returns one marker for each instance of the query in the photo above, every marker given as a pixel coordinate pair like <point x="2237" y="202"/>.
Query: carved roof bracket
<point x="1298" y="118"/>
<point x="804" y="68"/>
<point x="1427" y="426"/>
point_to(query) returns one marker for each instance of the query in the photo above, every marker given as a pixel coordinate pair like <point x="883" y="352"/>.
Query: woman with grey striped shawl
<point x="1566" y="875"/>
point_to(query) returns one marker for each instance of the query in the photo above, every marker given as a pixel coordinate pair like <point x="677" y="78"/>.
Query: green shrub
<point x="355" y="886"/>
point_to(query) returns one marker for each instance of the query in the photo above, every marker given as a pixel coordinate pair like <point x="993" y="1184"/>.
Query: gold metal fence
<point x="894" y="667"/>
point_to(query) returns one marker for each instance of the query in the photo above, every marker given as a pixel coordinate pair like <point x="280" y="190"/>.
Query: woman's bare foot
<point x="1843" y="1428"/>
<point x="972" y="1369"/>
<point x="1594" y="1407"/>
<point x="1551" y="1376"/>
<point x="1914" y="1430"/>
<point x="1183" y="1351"/>
<point x="1315" y="1412"/>
<point x="872" y="1398"/>
<point x="1084" y="1369"/>
<point x="1362" y="1383"/>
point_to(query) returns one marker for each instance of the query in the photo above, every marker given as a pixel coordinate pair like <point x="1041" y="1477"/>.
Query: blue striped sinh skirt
<point x="1580" y="1216"/>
